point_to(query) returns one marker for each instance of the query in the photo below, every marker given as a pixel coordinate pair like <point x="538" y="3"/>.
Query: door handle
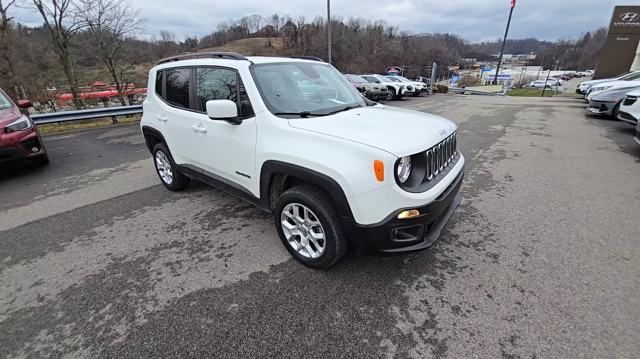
<point x="198" y="128"/>
<point x="163" y="118"/>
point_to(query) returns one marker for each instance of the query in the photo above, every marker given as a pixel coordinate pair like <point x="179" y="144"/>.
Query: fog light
<point x="35" y="149"/>
<point x="409" y="214"/>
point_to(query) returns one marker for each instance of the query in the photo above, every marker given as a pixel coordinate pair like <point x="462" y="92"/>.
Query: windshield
<point x="402" y="79"/>
<point x="357" y="79"/>
<point x="305" y="89"/>
<point x="5" y="102"/>
<point x="632" y="77"/>
<point x="371" y="79"/>
<point x="624" y="76"/>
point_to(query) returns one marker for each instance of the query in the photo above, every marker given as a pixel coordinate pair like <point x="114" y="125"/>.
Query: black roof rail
<point x="204" y="55"/>
<point x="312" y="58"/>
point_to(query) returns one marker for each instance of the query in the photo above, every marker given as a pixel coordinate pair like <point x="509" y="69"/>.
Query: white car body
<point x="611" y="85"/>
<point x="545" y="83"/>
<point x="340" y="148"/>
<point x="420" y="86"/>
<point x="398" y="88"/>
<point x="630" y="109"/>
<point x="585" y="86"/>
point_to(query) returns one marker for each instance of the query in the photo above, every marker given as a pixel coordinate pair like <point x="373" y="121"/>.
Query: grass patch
<point x="64" y="127"/>
<point x="530" y="93"/>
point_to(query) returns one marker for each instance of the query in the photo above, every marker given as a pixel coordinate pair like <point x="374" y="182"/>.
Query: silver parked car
<point x="608" y="102"/>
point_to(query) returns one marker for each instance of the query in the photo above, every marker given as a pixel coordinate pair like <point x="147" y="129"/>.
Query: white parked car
<point x="544" y="83"/>
<point x="612" y="85"/>
<point x="630" y="108"/>
<point x="419" y="87"/>
<point x="295" y="138"/>
<point x="397" y="89"/>
<point x="585" y="86"/>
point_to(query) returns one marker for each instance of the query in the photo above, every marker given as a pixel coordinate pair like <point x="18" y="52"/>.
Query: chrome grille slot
<point x="440" y="156"/>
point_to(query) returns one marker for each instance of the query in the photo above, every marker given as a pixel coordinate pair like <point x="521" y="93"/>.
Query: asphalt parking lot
<point x="98" y="260"/>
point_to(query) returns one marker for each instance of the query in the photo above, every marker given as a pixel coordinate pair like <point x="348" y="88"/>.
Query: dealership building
<point x="621" y="51"/>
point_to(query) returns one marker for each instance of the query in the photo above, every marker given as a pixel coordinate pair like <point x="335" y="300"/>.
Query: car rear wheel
<point x="309" y="227"/>
<point x="167" y="170"/>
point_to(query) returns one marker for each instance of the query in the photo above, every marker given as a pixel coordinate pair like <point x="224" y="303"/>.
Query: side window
<point x="177" y="86"/>
<point x="221" y="84"/>
<point x="159" y="81"/>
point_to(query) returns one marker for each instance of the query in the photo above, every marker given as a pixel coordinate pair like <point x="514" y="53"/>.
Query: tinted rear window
<point x="177" y="86"/>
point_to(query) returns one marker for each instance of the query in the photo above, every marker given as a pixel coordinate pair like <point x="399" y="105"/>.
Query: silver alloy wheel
<point x="164" y="167"/>
<point x="303" y="230"/>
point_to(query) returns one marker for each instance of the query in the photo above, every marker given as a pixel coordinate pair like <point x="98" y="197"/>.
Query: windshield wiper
<point x="346" y="108"/>
<point x="303" y="114"/>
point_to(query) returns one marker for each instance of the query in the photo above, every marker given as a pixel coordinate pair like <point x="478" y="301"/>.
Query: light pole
<point x="329" y="31"/>
<point x="504" y="42"/>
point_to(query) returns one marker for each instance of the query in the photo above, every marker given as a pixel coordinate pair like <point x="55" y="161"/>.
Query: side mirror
<point x="226" y="110"/>
<point x="24" y="104"/>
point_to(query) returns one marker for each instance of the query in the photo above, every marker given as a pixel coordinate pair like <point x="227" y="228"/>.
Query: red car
<point x="19" y="138"/>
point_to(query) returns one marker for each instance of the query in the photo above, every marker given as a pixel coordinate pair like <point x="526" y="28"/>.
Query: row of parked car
<point x="558" y="80"/>
<point x="616" y="97"/>
<point x="391" y="87"/>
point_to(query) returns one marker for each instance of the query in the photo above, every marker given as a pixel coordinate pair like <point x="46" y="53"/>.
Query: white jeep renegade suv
<point x="292" y="136"/>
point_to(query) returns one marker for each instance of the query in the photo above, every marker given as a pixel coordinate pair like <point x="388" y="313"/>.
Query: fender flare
<point x="272" y="168"/>
<point x="150" y="130"/>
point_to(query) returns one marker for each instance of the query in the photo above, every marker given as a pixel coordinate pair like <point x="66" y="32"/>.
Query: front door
<point x="224" y="149"/>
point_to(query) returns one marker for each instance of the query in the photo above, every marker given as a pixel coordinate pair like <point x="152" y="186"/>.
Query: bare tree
<point x="61" y="20"/>
<point x="109" y="23"/>
<point x="7" y="71"/>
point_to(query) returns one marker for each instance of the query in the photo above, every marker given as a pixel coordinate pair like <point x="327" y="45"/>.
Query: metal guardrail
<point x="91" y="114"/>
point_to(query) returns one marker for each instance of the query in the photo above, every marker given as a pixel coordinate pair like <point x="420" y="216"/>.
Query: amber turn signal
<point x="378" y="169"/>
<point x="409" y="214"/>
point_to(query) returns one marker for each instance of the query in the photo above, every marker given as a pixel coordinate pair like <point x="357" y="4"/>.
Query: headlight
<point x="404" y="169"/>
<point x="600" y="88"/>
<point x="21" y="124"/>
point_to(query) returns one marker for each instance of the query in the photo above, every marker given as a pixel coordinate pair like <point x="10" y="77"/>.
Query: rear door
<point x="177" y="115"/>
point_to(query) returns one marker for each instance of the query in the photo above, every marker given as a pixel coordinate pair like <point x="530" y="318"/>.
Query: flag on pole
<point x="513" y="3"/>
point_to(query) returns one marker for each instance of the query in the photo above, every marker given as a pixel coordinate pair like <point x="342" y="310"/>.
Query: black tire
<point x="390" y="95"/>
<point x="41" y="160"/>
<point x="179" y="181"/>
<point x="416" y="94"/>
<point x="320" y="204"/>
<point x="616" y="111"/>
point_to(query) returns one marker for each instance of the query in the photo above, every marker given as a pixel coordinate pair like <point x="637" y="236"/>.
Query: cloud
<point x="474" y="20"/>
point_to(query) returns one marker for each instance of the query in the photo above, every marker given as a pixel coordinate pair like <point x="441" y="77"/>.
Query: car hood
<point x="619" y="84"/>
<point x="9" y="115"/>
<point x="398" y="131"/>
<point x="614" y="94"/>
<point x="593" y="82"/>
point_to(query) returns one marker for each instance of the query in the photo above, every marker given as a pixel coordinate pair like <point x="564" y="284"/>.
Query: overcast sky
<point x="474" y="20"/>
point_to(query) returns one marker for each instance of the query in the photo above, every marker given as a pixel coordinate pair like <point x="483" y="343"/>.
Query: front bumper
<point x="20" y="146"/>
<point x="627" y="117"/>
<point x="601" y="107"/>
<point x="394" y="236"/>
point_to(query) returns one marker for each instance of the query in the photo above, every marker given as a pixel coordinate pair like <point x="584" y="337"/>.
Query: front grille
<point x="440" y="156"/>
<point x="630" y="100"/>
<point x="625" y="116"/>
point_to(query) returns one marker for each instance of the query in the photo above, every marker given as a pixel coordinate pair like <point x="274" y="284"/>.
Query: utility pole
<point x="545" y="82"/>
<point x="504" y="42"/>
<point x="329" y="31"/>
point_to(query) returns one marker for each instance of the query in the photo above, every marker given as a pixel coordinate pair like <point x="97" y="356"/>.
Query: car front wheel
<point x="167" y="170"/>
<point x="309" y="227"/>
